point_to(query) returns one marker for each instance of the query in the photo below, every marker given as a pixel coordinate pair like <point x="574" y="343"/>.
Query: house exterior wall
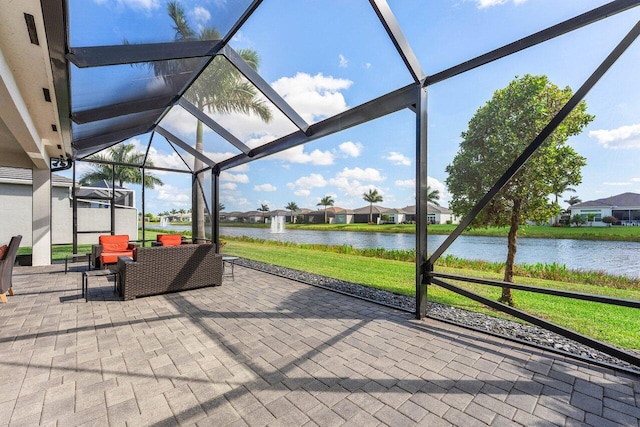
<point x="18" y="219"/>
<point x="16" y="202"/>
<point x="598" y="212"/>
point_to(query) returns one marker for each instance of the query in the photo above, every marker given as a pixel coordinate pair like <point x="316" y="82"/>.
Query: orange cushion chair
<point x="169" y="239"/>
<point x="113" y="247"/>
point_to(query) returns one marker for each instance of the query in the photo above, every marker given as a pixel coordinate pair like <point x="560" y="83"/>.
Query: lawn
<point x="617" y="325"/>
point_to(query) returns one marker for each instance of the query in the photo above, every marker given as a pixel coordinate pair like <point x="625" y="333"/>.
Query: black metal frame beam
<point x="240" y="22"/>
<point x="131" y="165"/>
<point x="422" y="278"/>
<point x="394" y="31"/>
<point x="125" y="54"/>
<point x="535" y="144"/>
<point x="582" y="339"/>
<point x="546" y="291"/>
<point x="186" y="147"/>
<point x="564" y="27"/>
<point x="92" y="145"/>
<point x="213" y="125"/>
<point x="386" y="104"/>
<point x="122" y="109"/>
<point x="265" y="88"/>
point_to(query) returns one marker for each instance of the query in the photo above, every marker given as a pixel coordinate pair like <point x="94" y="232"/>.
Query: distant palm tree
<point x="372" y="197"/>
<point x="220" y="207"/>
<point x="263" y="208"/>
<point x="121" y="153"/>
<point x="433" y="196"/>
<point x="220" y="88"/>
<point x="573" y="200"/>
<point x="325" y="201"/>
<point x="292" y="206"/>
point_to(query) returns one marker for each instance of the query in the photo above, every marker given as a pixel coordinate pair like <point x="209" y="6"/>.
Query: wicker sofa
<point x="163" y="269"/>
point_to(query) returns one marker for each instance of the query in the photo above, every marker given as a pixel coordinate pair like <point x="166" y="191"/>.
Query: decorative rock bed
<point x="501" y="327"/>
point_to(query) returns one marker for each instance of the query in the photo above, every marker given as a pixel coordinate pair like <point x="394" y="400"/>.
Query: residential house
<point x="624" y="207"/>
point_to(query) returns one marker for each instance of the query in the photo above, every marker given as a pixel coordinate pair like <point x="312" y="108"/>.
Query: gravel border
<point x="501" y="327"/>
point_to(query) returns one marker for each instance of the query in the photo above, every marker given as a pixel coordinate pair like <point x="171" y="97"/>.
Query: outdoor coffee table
<point x="97" y="273"/>
<point x="77" y="257"/>
<point x="230" y="260"/>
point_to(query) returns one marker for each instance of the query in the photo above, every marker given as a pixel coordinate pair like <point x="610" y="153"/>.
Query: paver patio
<point x="263" y="350"/>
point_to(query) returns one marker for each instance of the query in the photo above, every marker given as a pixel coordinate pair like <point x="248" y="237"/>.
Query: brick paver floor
<point x="262" y="350"/>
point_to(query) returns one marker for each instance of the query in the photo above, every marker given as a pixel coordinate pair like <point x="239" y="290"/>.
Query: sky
<point x="326" y="56"/>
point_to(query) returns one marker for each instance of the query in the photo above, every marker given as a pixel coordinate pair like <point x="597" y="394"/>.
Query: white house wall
<point x="17" y="201"/>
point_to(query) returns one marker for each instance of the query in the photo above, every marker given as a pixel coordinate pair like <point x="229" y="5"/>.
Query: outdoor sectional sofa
<point x="163" y="269"/>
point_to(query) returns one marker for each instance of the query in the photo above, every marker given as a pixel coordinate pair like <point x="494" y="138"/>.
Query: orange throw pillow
<point x="3" y="251"/>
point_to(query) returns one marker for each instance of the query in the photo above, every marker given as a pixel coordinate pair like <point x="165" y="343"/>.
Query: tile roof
<point x="620" y="200"/>
<point x="8" y="174"/>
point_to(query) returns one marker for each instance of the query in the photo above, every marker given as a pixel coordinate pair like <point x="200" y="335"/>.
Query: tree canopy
<point x="372" y="196"/>
<point x="124" y="154"/>
<point x="220" y="88"/>
<point x="497" y="134"/>
<point x="325" y="201"/>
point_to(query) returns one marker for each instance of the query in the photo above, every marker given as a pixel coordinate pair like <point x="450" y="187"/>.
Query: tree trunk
<point x="371" y="213"/>
<point x="199" y="202"/>
<point x="512" y="248"/>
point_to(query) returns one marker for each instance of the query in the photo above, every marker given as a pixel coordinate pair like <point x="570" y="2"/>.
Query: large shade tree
<point x="220" y="88"/>
<point x="372" y="196"/>
<point x="121" y="154"/>
<point x="497" y="134"/>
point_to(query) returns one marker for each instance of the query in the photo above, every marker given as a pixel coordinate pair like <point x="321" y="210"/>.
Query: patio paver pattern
<point x="263" y="350"/>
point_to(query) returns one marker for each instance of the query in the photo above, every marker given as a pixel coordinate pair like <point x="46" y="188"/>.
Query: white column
<point x="41" y="228"/>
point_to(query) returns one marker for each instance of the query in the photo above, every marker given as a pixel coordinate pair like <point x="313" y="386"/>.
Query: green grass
<point x="617" y="325"/>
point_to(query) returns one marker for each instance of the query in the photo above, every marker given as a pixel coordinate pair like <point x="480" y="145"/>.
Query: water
<point x="620" y="258"/>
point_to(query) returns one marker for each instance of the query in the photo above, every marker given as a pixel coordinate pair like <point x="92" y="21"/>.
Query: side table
<point x="231" y="261"/>
<point x="97" y="273"/>
<point x="77" y="257"/>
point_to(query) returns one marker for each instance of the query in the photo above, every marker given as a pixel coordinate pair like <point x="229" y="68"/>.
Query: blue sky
<point x="324" y="57"/>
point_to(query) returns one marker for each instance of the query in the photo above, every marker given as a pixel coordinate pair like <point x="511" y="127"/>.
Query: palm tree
<point x="263" y="208"/>
<point x="221" y="207"/>
<point x="433" y="196"/>
<point x="325" y="201"/>
<point x="372" y="197"/>
<point x="292" y="206"/>
<point x="220" y="88"/>
<point x="573" y="200"/>
<point x="121" y="153"/>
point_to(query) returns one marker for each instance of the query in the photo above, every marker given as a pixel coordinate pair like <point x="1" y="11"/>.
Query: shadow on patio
<point x="263" y="350"/>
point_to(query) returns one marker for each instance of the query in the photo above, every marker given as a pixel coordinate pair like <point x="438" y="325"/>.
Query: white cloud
<point x="350" y="148"/>
<point x="201" y="15"/>
<point x="398" y="159"/>
<point x="298" y="155"/>
<point x="264" y="187"/>
<point x="302" y="193"/>
<point x="367" y="65"/>
<point x="234" y="177"/>
<point x="145" y="5"/>
<point x="176" y="197"/>
<point x="406" y="183"/>
<point x="344" y="63"/>
<point x="620" y="138"/>
<point x="617" y="184"/>
<point x="489" y="3"/>
<point x="229" y="186"/>
<point x="311" y="181"/>
<point x="368" y="174"/>
<point x="313" y="97"/>
<point x="356" y="181"/>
